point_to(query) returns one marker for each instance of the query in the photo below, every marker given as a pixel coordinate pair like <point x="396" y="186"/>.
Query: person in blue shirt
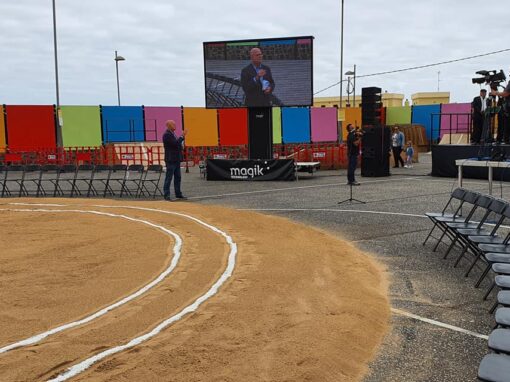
<point x="257" y="81"/>
<point x="173" y="157"/>
<point x="397" y="143"/>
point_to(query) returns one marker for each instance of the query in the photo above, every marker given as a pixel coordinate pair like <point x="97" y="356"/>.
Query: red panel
<point x="233" y="127"/>
<point x="30" y="127"/>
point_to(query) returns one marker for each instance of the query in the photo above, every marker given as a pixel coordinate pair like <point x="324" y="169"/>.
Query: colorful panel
<point x="233" y="127"/>
<point x="202" y="126"/>
<point x="296" y="125"/>
<point x="81" y="126"/>
<point x="324" y="124"/>
<point x="398" y="115"/>
<point x="155" y="121"/>
<point x="123" y="124"/>
<point x="353" y="116"/>
<point x="277" y="125"/>
<point x="31" y="127"/>
<point x="3" y="142"/>
<point x="427" y="115"/>
<point x="455" y="118"/>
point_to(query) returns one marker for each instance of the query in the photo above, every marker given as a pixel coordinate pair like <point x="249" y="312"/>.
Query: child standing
<point x="409" y="154"/>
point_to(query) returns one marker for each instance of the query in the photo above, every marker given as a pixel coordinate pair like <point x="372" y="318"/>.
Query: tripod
<point x="351" y="200"/>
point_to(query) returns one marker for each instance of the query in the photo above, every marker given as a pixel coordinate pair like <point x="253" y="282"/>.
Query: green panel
<point x="398" y="115"/>
<point x="277" y="125"/>
<point x="249" y="43"/>
<point x="81" y="126"/>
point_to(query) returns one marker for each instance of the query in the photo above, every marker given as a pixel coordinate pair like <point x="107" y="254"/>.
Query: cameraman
<point x="503" y="117"/>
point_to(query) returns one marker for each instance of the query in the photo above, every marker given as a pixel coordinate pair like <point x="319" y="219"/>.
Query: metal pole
<point x="354" y="87"/>
<point x="341" y="54"/>
<point x="117" y="71"/>
<point x="59" y="128"/>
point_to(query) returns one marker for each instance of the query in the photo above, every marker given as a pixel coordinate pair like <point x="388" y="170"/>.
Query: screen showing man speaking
<point x="259" y="73"/>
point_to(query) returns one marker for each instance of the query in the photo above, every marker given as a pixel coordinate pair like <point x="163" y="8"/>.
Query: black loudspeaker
<point x="375" y="158"/>
<point x="371" y="106"/>
<point x="260" y="133"/>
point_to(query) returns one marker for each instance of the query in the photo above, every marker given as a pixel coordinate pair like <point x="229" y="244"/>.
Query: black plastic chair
<point x="457" y="195"/>
<point x="14" y="180"/>
<point x="494" y="368"/>
<point x="441" y="221"/>
<point x="3" y="185"/>
<point x="151" y="180"/>
<point x="67" y="176"/>
<point x="133" y="180"/>
<point x="100" y="174"/>
<point x="50" y="173"/>
<point x="83" y="175"/>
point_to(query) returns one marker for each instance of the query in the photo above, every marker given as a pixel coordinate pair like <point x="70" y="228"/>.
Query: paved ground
<point x="422" y="283"/>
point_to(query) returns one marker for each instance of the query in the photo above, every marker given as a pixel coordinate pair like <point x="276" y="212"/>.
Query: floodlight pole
<point x="341" y="53"/>
<point x="117" y="59"/>
<point x="59" y="127"/>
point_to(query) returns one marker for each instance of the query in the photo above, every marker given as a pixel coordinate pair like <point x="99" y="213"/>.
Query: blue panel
<point x="296" y="124"/>
<point x="423" y="115"/>
<point x="278" y="42"/>
<point x="123" y="124"/>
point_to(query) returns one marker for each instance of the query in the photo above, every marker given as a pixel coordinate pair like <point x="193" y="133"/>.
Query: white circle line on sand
<point x="439" y="323"/>
<point x="85" y="364"/>
<point x="175" y="259"/>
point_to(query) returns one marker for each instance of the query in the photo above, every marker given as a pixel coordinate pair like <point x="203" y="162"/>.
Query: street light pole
<point x="117" y="59"/>
<point x="341" y="53"/>
<point x="59" y="127"/>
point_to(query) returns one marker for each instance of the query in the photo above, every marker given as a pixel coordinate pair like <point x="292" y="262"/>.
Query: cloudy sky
<point x="162" y="43"/>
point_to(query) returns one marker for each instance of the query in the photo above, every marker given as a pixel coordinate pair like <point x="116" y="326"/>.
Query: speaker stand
<point x="351" y="200"/>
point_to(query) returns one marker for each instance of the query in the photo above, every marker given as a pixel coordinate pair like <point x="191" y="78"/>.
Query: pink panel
<point x="455" y="118"/>
<point x="155" y="118"/>
<point x="324" y="124"/>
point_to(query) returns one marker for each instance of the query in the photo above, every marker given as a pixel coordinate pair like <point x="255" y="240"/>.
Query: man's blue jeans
<point x="173" y="170"/>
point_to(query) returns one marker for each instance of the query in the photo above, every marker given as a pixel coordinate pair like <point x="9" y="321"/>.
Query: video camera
<point x="491" y="77"/>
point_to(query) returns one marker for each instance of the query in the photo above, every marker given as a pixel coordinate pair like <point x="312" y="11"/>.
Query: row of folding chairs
<point x="82" y="180"/>
<point x="479" y="232"/>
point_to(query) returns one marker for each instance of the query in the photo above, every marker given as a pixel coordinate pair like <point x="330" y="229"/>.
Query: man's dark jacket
<point x="477" y="104"/>
<point x="253" y="89"/>
<point x="173" y="147"/>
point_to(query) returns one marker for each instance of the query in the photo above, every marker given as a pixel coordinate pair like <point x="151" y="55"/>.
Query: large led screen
<point x="259" y="73"/>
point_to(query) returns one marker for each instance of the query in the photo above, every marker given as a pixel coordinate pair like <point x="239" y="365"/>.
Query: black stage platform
<point x="444" y="156"/>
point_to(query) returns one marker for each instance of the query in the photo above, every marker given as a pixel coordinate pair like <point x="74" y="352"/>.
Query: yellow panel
<point x="353" y="116"/>
<point x="2" y="130"/>
<point x="202" y="126"/>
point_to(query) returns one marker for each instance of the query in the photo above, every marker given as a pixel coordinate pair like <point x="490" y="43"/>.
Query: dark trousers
<point x="173" y="170"/>
<point x="503" y="128"/>
<point x="396" y="155"/>
<point x="353" y="161"/>
<point x="476" y="135"/>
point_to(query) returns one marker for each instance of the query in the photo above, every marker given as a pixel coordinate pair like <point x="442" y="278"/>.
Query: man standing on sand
<point x="173" y="159"/>
<point x="257" y="81"/>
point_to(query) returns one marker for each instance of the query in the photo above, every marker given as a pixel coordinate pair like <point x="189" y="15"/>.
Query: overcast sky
<point x="162" y="43"/>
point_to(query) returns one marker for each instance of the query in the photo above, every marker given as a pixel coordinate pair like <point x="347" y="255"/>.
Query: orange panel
<point x="202" y="126"/>
<point x="353" y="116"/>
<point x="2" y="130"/>
<point x="233" y="127"/>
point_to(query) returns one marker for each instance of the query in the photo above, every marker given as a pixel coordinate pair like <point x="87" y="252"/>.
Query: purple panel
<point x="155" y="118"/>
<point x="324" y="124"/>
<point x="455" y="118"/>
